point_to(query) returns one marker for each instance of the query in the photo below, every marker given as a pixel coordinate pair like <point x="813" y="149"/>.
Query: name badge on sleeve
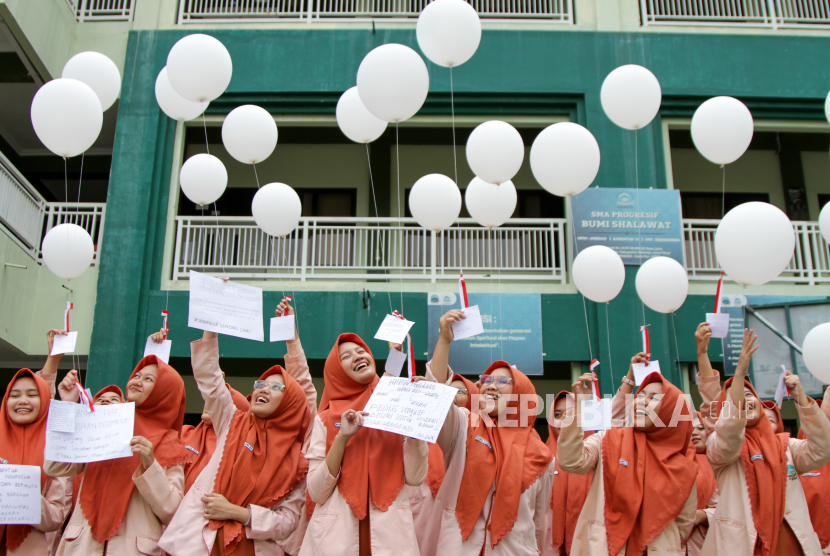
<point x="192" y="449"/>
<point x="251" y="448"/>
<point x="623" y="462"/>
<point x="813" y="474"/>
<point x="756" y="456"/>
<point x="484" y="441"/>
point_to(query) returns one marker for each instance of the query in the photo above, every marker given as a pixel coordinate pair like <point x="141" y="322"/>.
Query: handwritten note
<point x="393" y="329"/>
<point x="282" y="328"/>
<point x="225" y="307"/>
<point x="63" y="343"/>
<point x="413" y="409"/>
<point x="395" y="361"/>
<point x="471" y="325"/>
<point x="162" y="350"/>
<point x="719" y="323"/>
<point x="99" y="435"/>
<point x="20" y="494"/>
<point x="61" y="416"/>
<point x="641" y="371"/>
<point x="595" y="415"/>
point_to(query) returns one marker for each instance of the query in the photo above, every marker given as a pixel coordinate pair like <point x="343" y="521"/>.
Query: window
<point x="710" y="206"/>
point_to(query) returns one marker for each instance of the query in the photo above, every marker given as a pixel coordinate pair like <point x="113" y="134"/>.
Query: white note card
<point x="20" y="494"/>
<point x="471" y="325"/>
<point x="64" y="343"/>
<point x="719" y="323"/>
<point x="780" y="391"/>
<point x="595" y="415"/>
<point x="61" y="416"/>
<point x="162" y="350"/>
<point x="414" y="409"/>
<point x="641" y="371"/>
<point x="99" y="435"/>
<point x="282" y="328"/>
<point x="395" y="361"/>
<point x="225" y="307"/>
<point x="393" y="329"/>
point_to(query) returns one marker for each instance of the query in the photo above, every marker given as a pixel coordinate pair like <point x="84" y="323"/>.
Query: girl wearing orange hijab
<point x="569" y="490"/>
<point x="497" y="486"/>
<point x="250" y="495"/>
<point x="707" y="487"/>
<point x="356" y="476"/>
<point x="22" y="440"/>
<point x="643" y="494"/>
<point x="816" y="486"/>
<point x="762" y="508"/>
<point x="125" y="503"/>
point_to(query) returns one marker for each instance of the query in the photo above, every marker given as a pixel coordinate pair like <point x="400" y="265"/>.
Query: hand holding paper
<point x="160" y="350"/>
<point x="282" y="328"/>
<point x="719" y="324"/>
<point x="471" y="325"/>
<point x="64" y="343"/>
<point x="641" y="371"/>
<point x="393" y="329"/>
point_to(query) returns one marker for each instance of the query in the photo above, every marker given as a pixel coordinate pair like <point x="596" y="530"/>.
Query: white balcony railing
<point x="370" y="249"/>
<point x="773" y="14"/>
<point x="810" y="263"/>
<point x="361" y="10"/>
<point x="102" y="10"/>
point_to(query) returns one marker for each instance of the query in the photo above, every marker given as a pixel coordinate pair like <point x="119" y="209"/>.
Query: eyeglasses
<point x="275" y="386"/>
<point x="461" y="392"/>
<point x="500" y="381"/>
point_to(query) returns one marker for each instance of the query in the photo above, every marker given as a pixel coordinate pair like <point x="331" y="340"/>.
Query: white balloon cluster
<point x="599" y="273"/>
<point x="722" y="129"/>
<point x="816" y="352"/>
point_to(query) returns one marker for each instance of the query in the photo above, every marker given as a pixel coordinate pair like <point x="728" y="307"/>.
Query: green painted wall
<point x="513" y="73"/>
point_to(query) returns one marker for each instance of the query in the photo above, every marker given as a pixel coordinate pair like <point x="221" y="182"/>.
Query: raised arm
<point x="204" y="356"/>
<point x="51" y="365"/>
<point x="296" y="364"/>
<point x="623" y="397"/>
<point x="814" y="451"/>
<point x="440" y="359"/>
<point x="575" y="454"/>
<point x="702" y="336"/>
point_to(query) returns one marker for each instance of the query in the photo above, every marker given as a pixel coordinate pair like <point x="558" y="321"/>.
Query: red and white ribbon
<point x="410" y="356"/>
<point x="717" y="296"/>
<point x="646" y="348"/>
<point x="69" y="307"/>
<point x="84" y="397"/>
<point x="594" y="364"/>
<point x="462" y="291"/>
<point x="164" y="315"/>
<point x="285" y="311"/>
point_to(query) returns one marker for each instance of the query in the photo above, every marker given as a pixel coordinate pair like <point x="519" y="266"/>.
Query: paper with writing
<point x="414" y="409"/>
<point x="99" y="435"/>
<point x="719" y="323"/>
<point x="595" y="415"/>
<point x="471" y="325"/>
<point x="225" y="307"/>
<point x="20" y="494"/>
<point x="780" y="391"/>
<point x="641" y="371"/>
<point x="162" y="350"/>
<point x="393" y="329"/>
<point x="61" y="416"/>
<point x="282" y="328"/>
<point x="64" y="343"/>
<point x="395" y="362"/>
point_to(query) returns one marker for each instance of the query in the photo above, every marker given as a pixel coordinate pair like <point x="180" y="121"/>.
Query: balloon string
<point x="256" y="176"/>
<point x="576" y="254"/>
<point x="608" y="334"/>
<point x="676" y="345"/>
<point x="65" y="180"/>
<point x="452" y="111"/>
<point x="204" y="124"/>
<point x="80" y="179"/>
<point x="723" y="193"/>
<point x="639" y="221"/>
<point x="400" y="207"/>
<point x="216" y="210"/>
<point x="380" y="239"/>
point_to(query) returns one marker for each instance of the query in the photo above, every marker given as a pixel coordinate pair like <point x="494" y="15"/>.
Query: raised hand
<point x="144" y="449"/>
<point x="351" y="422"/>
<point x="455" y="315"/>
<point x="747" y="350"/>
<point x="66" y="388"/>
<point x="158" y="337"/>
<point x="702" y="336"/>
<point x="283" y="306"/>
<point x="50" y="340"/>
<point x="582" y="385"/>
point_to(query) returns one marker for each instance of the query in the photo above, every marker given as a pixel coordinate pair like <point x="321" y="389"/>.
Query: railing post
<point x="802" y="234"/>
<point x="306" y="239"/>
<point x="178" y="249"/>
<point x="433" y="256"/>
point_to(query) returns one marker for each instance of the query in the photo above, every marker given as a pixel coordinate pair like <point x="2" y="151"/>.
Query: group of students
<point x="273" y="473"/>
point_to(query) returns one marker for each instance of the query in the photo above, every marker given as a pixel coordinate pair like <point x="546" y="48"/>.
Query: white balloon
<point x="97" y="71"/>
<point x="827" y="107"/>
<point x="824" y="222"/>
<point x="816" y="352"/>
<point x="630" y="96"/>
<point x="448" y="32"/>
<point x="495" y="151"/>
<point x="722" y="129"/>
<point x="277" y="209"/>
<point x="67" y="116"/>
<point x="489" y="204"/>
<point x="199" y="67"/>
<point x="357" y="123"/>
<point x="435" y="202"/>
<point x="662" y="284"/>
<point x="172" y="102"/>
<point x="67" y="250"/>
<point x="754" y="243"/>
<point x="599" y="273"/>
<point x="203" y="178"/>
<point x="249" y="134"/>
<point x="565" y="158"/>
<point x="393" y="82"/>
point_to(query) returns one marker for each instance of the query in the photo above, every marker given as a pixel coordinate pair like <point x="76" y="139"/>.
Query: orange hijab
<point x="779" y="428"/>
<point x="517" y="458"/>
<point x="23" y="445"/>
<point x="263" y="460"/>
<point x="435" y="476"/>
<point x="706" y="482"/>
<point x="360" y="474"/>
<point x="111" y="388"/>
<point x="569" y="490"/>
<point x="108" y="485"/>
<point x="764" y="457"/>
<point x="201" y="440"/>
<point x="816" y="485"/>
<point x="651" y="468"/>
